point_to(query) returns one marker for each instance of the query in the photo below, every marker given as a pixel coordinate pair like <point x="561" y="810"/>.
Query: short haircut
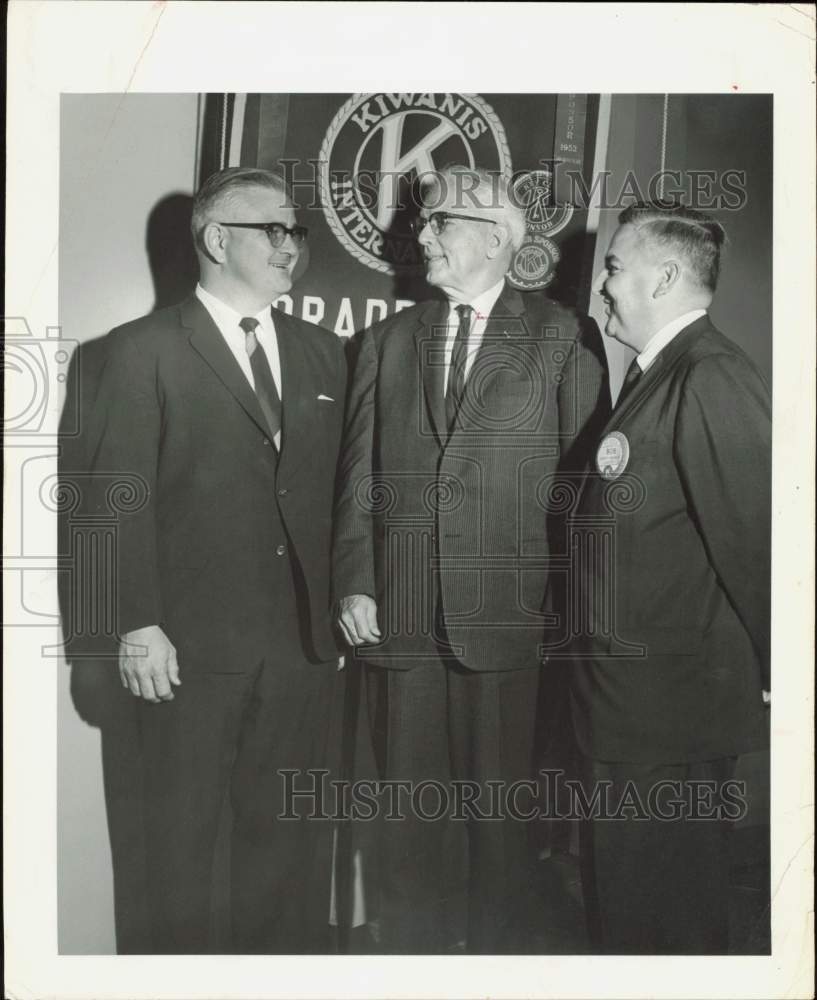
<point x="473" y="195"/>
<point x="219" y="187"/>
<point x="694" y="236"/>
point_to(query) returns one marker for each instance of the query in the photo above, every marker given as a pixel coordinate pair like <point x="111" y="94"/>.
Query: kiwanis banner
<point x="353" y="161"/>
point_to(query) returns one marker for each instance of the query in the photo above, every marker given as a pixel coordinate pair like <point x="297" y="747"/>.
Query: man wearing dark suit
<point x="229" y="414"/>
<point x="673" y="653"/>
<point x="459" y="412"/>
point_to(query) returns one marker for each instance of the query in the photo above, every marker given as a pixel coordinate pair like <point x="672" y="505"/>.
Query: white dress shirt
<point x="482" y="306"/>
<point x="227" y="320"/>
<point x="659" y="340"/>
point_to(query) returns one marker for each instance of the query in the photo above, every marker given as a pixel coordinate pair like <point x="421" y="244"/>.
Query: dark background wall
<point x="701" y="135"/>
<point x="733" y="132"/>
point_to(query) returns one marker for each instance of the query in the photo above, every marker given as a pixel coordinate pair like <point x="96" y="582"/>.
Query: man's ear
<point x="669" y="275"/>
<point x="214" y="242"/>
<point x="499" y="241"/>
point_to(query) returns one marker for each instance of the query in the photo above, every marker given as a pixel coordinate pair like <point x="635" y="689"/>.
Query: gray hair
<point x="221" y="186"/>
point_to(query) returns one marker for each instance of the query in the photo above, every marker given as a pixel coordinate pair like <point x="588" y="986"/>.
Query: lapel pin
<point x="613" y="455"/>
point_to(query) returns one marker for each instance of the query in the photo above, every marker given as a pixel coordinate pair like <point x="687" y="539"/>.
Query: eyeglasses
<point x="276" y="232"/>
<point x="437" y="221"/>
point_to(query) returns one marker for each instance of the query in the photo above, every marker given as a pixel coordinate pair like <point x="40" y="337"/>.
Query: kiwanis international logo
<point x="375" y="149"/>
<point x="534" y="264"/>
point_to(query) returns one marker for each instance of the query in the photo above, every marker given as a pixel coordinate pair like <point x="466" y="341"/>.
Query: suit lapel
<point x="663" y="364"/>
<point x="507" y="310"/>
<point x="429" y="340"/>
<point x="206" y="339"/>
<point x="503" y="323"/>
<point x="298" y="402"/>
<point x="648" y="378"/>
<point x="658" y="370"/>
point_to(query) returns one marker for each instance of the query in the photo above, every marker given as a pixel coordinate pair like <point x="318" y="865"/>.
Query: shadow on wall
<point x="169" y="246"/>
<point x="96" y="690"/>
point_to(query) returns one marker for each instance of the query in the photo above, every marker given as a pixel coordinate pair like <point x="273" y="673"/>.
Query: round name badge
<point x="613" y="455"/>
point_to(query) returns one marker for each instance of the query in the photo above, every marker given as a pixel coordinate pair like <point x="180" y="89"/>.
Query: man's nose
<point x="290" y="247"/>
<point x="598" y="283"/>
<point x="425" y="235"/>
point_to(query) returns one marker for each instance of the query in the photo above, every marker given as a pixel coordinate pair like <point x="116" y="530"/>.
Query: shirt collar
<point x="659" y="340"/>
<point x="225" y="316"/>
<point x="483" y="303"/>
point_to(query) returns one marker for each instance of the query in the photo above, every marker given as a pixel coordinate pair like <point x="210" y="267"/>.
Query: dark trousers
<point x="230" y="735"/>
<point x="657" y="885"/>
<point x="445" y="879"/>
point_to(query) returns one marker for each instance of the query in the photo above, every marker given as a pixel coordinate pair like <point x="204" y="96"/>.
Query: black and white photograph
<point x="409" y="500"/>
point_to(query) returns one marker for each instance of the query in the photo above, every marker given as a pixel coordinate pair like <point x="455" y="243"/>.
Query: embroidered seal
<point x="532" y="192"/>
<point x="534" y="263"/>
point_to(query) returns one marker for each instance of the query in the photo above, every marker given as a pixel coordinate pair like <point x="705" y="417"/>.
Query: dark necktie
<point x="456" y="370"/>
<point x="634" y="373"/>
<point x="265" y="389"/>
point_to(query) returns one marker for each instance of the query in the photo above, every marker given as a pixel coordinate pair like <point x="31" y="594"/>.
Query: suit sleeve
<point x="125" y="435"/>
<point x="723" y="452"/>
<point x="353" y="549"/>
<point x="584" y="397"/>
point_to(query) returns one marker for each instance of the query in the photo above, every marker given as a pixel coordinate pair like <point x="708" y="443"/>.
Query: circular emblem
<point x="375" y="149"/>
<point x="27" y="370"/>
<point x="533" y="264"/>
<point x="613" y="455"/>
<point x="532" y="192"/>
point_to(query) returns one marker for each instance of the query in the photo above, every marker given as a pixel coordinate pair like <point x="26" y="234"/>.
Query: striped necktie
<point x="456" y="370"/>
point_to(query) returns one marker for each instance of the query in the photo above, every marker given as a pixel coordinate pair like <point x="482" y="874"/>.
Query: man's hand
<point x="148" y="673"/>
<point x="357" y="617"/>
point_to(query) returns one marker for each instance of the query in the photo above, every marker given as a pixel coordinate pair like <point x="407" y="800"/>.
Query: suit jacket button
<point x="282" y="492"/>
<point x="280" y="550"/>
<point x="266" y="440"/>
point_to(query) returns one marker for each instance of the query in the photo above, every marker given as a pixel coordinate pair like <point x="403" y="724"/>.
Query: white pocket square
<point x="327" y="399"/>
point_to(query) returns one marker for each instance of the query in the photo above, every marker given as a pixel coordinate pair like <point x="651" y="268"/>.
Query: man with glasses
<point x="230" y="413"/>
<point x="459" y="413"/>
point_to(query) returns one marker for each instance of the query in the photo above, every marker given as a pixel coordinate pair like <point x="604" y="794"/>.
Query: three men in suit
<point x="459" y="411"/>
<point x="672" y="653"/>
<point x="229" y="415"/>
